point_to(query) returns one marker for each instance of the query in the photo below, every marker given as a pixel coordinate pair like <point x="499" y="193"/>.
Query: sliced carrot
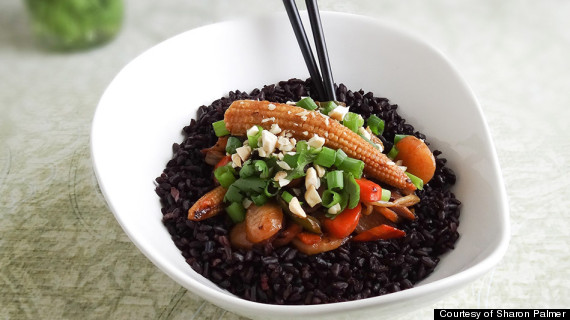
<point x="309" y="238"/>
<point x="344" y="223"/>
<point x="417" y="157"/>
<point x="383" y="232"/>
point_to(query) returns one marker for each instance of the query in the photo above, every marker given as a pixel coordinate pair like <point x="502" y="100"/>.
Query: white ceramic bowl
<point x="145" y="107"/>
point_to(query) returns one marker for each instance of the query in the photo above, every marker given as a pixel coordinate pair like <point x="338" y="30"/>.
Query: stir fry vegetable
<point x="311" y="175"/>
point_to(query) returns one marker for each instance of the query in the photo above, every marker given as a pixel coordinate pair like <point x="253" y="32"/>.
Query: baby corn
<point x="208" y="205"/>
<point x="304" y="124"/>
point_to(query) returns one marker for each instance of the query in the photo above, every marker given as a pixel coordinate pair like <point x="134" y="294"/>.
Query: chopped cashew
<point x="316" y="141"/>
<point x="244" y="152"/>
<point x="295" y="208"/>
<point x="268" y="141"/>
<point x="334" y="209"/>
<point x="311" y="178"/>
<point x="312" y="196"/>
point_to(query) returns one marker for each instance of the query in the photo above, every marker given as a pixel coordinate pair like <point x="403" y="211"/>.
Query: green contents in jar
<point x="75" y="24"/>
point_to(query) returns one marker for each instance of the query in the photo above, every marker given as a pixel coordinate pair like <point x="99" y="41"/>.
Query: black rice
<point x="284" y="275"/>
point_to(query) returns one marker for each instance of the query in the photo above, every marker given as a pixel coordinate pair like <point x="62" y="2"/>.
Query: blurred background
<point x="63" y="255"/>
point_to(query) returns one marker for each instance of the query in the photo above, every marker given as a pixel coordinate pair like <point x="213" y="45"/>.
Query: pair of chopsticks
<point x="324" y="85"/>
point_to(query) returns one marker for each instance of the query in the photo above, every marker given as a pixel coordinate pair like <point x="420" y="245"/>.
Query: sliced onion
<point x="213" y="157"/>
<point x="367" y="208"/>
<point x="370" y="221"/>
<point x="406" y="201"/>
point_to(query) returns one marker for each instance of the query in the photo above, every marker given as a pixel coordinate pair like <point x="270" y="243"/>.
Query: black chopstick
<point x="324" y="90"/>
<point x="315" y="18"/>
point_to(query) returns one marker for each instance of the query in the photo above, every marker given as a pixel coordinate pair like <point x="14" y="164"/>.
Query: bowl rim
<point x="235" y="303"/>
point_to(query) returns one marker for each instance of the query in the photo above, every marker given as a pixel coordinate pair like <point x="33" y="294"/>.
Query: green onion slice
<point x="327" y="107"/>
<point x="236" y="212"/>
<point x="253" y="139"/>
<point x="419" y="183"/>
<point x="232" y="145"/>
<point x="353" y="190"/>
<point x="353" y="166"/>
<point x="376" y="125"/>
<point x="286" y="196"/>
<point x="334" y="180"/>
<point x="340" y="157"/>
<point x="386" y="194"/>
<point x="393" y="153"/>
<point x="225" y="175"/>
<point x="343" y="203"/>
<point x="220" y="128"/>
<point x="326" y="157"/>
<point x="353" y="121"/>
<point x="330" y="198"/>
<point x="307" y="103"/>
<point x="399" y="137"/>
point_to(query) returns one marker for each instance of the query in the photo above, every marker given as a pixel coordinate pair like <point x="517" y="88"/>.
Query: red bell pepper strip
<point x="369" y="191"/>
<point x="344" y="223"/>
<point x="225" y="160"/>
<point x="309" y="238"/>
<point x="382" y="231"/>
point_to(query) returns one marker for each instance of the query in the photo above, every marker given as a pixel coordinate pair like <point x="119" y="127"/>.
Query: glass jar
<point x="66" y="25"/>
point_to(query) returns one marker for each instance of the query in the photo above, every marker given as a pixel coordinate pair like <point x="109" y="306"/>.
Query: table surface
<point x="63" y="255"/>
